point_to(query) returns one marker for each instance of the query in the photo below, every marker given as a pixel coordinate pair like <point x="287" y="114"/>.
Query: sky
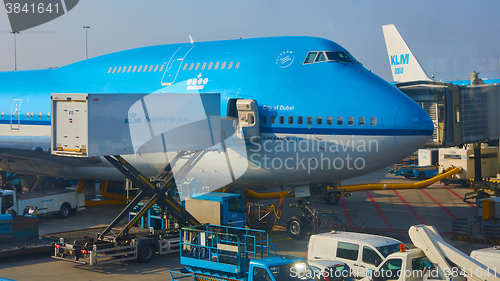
<point x="450" y="38"/>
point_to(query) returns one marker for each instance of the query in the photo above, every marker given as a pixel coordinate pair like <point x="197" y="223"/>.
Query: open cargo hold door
<point x="248" y="119"/>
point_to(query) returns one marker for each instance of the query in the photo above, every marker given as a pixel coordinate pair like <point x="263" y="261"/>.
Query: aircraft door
<point x="174" y="65"/>
<point x="15" y="116"/>
<point x="248" y="119"/>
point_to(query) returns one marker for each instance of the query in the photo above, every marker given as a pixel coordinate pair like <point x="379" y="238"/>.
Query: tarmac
<point x="384" y="212"/>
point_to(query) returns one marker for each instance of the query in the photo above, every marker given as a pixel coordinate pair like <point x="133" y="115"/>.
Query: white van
<point x="361" y="252"/>
<point x="489" y="257"/>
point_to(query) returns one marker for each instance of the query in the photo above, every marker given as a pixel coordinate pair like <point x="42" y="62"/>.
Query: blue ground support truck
<point x="212" y="252"/>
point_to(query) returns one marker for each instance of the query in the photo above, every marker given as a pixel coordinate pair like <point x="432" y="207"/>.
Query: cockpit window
<point x="310" y="57"/>
<point x="320" y="57"/>
<point x="340" y="56"/>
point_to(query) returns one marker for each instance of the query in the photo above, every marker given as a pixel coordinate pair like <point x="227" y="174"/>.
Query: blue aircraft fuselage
<point x="353" y="104"/>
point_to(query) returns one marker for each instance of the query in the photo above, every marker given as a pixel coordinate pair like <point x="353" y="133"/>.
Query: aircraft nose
<point x="414" y="127"/>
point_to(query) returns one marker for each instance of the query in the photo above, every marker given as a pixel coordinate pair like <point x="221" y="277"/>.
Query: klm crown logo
<point x="403" y="59"/>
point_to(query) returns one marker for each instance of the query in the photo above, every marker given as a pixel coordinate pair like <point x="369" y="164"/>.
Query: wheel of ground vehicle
<point x="297" y="227"/>
<point x="145" y="252"/>
<point x="481" y="194"/>
<point x="332" y="198"/>
<point x="64" y="211"/>
<point x="446" y="182"/>
<point x="421" y="176"/>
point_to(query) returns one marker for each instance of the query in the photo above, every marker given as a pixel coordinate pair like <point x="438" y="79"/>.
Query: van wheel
<point x="64" y="211"/>
<point x="297" y="227"/>
<point x="332" y="198"/>
<point x="146" y="252"/>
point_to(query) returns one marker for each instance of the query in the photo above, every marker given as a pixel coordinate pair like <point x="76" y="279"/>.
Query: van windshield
<point x="389" y="249"/>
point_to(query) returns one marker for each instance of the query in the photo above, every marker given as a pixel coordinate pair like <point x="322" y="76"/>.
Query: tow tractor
<point x="212" y="252"/>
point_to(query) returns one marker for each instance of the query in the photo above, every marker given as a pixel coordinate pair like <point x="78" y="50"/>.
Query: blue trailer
<point x="212" y="252"/>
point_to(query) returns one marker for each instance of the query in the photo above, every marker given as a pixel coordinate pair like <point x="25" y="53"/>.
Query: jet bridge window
<point x="310" y="57"/>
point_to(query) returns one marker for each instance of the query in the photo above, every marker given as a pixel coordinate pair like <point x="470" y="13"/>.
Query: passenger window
<point x="203" y="65"/>
<point x="290" y="120"/>
<point x="161" y="67"/>
<point x="210" y="65"/>
<point x="191" y="66"/>
<point x="320" y="57"/>
<point x="27" y="115"/>
<point x="135" y="68"/>
<point x="350" y="120"/>
<point x="310" y="57"/>
<point x="48" y="115"/>
<point x="299" y="120"/>
<point x="237" y="65"/>
<point x="150" y="68"/>
<point x="145" y="68"/>
<point x="114" y="69"/>
<point x="216" y="65"/>
<point x="282" y="120"/>
<point x="156" y="68"/>
<point x="319" y="120"/>
<point x="39" y="115"/>
<point x="129" y="68"/>
<point x="273" y="119"/>
<point x="2" y="114"/>
<point x="309" y="120"/>
<point x="185" y="66"/>
<point x="373" y="121"/>
<point x="139" y="69"/>
<point x="230" y="65"/>
<point x="361" y="121"/>
<point x="264" y="119"/>
<point x="329" y="120"/>
<point x="340" y="120"/>
<point x="119" y="68"/>
<point x="197" y="66"/>
<point x="124" y="68"/>
<point x="110" y="68"/>
<point x="223" y="65"/>
<point x="347" y="251"/>
<point x="370" y="256"/>
<point x="31" y="115"/>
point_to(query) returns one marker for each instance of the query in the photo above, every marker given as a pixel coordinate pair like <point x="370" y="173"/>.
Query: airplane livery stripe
<point x="361" y="132"/>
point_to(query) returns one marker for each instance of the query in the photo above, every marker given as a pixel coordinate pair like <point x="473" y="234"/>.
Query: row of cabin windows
<point x="135" y="68"/>
<point x="210" y="64"/>
<point x="28" y="115"/>
<point x="319" y="120"/>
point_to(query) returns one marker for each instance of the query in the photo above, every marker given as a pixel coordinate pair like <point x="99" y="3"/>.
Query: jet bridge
<point x="461" y="114"/>
<point x="110" y="125"/>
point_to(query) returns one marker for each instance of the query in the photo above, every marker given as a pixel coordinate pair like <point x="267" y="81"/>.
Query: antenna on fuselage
<point x="191" y="39"/>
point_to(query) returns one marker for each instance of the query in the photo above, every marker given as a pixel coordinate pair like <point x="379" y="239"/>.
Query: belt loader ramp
<point x="79" y="132"/>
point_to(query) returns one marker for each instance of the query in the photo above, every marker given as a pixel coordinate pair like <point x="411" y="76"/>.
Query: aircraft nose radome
<point x="414" y="127"/>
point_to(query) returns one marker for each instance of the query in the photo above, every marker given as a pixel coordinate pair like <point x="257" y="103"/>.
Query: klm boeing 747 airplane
<point x="318" y="115"/>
